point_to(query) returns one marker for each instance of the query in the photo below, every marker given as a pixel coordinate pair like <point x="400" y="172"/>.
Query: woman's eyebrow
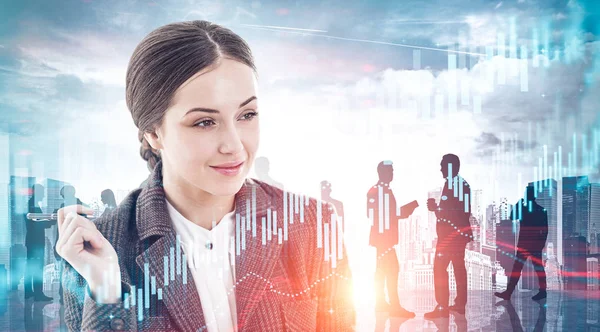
<point x="210" y="110"/>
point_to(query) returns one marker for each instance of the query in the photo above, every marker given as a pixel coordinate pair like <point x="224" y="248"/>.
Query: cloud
<point x="398" y="108"/>
<point x="450" y="23"/>
<point x="326" y="100"/>
<point x="86" y="54"/>
<point x="488" y="140"/>
<point x="59" y="75"/>
<point x="38" y="105"/>
<point x="489" y="145"/>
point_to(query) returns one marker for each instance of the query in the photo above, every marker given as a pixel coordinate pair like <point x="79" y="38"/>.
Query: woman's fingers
<point x="72" y="246"/>
<point x="74" y="232"/>
<point x="73" y="218"/>
<point x="81" y="235"/>
<point x="77" y="209"/>
<point x="70" y="217"/>
<point x="71" y="223"/>
<point x="64" y="221"/>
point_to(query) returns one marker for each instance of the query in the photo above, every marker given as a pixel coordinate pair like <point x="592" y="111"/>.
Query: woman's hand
<point x="89" y="253"/>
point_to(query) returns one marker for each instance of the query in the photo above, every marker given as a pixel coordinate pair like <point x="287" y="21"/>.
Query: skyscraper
<point x="477" y="208"/>
<point x="491" y="220"/>
<point x="594" y="218"/>
<point x="575" y="200"/>
<point x="4" y="202"/>
<point x="479" y="270"/>
<point x="593" y="283"/>
<point x="575" y="263"/>
<point x="477" y="228"/>
<point x="504" y="209"/>
<point x="552" y="267"/>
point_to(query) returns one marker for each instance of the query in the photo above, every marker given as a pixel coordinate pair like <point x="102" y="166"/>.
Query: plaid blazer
<point x="290" y="286"/>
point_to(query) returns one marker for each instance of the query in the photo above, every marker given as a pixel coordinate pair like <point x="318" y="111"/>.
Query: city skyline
<point x="417" y="242"/>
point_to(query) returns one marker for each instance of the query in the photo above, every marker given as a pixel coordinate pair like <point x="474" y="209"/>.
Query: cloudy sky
<point x="343" y="86"/>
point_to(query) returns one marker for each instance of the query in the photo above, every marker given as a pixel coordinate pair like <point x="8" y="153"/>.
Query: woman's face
<point x="212" y="121"/>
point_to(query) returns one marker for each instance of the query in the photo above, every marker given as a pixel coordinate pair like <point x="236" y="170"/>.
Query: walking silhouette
<point x="533" y="232"/>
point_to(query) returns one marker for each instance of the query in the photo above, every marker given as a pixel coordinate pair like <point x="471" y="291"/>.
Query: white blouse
<point x="213" y="269"/>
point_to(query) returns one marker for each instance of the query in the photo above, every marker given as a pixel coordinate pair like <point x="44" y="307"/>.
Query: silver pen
<point x="49" y="217"/>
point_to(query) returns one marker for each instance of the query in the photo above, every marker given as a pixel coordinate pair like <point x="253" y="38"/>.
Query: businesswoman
<point x="201" y="247"/>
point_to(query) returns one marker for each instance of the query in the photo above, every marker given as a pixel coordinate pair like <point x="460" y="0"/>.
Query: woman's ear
<point x="153" y="139"/>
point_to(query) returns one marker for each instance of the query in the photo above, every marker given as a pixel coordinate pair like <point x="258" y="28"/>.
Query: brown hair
<point x="164" y="60"/>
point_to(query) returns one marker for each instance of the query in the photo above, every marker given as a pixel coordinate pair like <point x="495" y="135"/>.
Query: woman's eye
<point x="205" y="123"/>
<point x="209" y="122"/>
<point x="250" y="115"/>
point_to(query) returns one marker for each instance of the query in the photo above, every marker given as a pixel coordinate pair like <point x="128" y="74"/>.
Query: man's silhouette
<point x="384" y="236"/>
<point x="533" y="232"/>
<point x="454" y="232"/>
<point x="68" y="194"/>
<point x="339" y="206"/>
<point x="35" y="241"/>
<point x="262" y="168"/>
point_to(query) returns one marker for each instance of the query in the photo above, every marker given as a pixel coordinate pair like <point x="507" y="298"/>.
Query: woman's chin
<point x="228" y="188"/>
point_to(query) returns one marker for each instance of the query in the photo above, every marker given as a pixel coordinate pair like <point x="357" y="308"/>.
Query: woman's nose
<point x="231" y="142"/>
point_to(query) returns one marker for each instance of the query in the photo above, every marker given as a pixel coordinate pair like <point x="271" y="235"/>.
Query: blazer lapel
<point x="255" y="264"/>
<point x="156" y="233"/>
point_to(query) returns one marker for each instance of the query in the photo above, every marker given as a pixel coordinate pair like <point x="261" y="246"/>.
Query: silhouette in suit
<point x="35" y="241"/>
<point x="384" y="237"/>
<point x="339" y="206"/>
<point x="453" y="230"/>
<point x="262" y="167"/>
<point x="533" y="232"/>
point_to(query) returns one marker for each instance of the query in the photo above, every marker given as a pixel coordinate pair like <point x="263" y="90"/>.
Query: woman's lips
<point x="229" y="171"/>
